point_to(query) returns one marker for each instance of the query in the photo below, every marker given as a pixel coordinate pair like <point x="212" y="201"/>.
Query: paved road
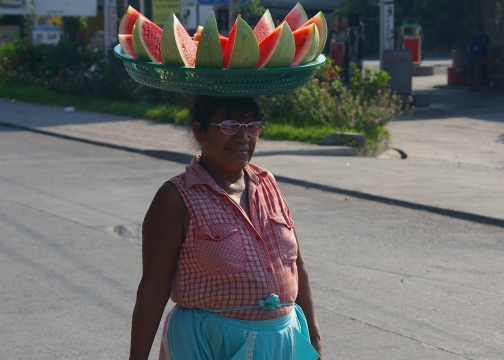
<point x="389" y="283"/>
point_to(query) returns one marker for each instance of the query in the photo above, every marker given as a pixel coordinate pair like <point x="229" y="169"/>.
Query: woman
<point x="218" y="240"/>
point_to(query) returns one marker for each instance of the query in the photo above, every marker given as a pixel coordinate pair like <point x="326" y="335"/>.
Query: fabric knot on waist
<point x="270" y="303"/>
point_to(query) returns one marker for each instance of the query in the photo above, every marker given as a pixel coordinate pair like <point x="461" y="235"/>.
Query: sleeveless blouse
<point x="228" y="260"/>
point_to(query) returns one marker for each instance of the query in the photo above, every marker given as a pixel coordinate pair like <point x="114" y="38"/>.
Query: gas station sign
<point x="45" y="34"/>
<point x="161" y="9"/>
<point x="389" y="26"/>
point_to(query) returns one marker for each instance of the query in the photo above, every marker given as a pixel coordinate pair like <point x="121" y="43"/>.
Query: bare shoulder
<point x="167" y="217"/>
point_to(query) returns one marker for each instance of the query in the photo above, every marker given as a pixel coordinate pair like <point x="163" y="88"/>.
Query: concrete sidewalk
<point x="455" y="148"/>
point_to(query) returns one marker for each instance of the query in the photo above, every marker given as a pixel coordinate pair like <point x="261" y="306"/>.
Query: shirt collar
<point x="196" y="175"/>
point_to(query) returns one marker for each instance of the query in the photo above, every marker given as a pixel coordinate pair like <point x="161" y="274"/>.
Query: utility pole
<point x="142" y="7"/>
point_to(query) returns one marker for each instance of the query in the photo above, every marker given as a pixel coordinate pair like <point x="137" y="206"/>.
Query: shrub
<point x="366" y="106"/>
<point x="72" y="69"/>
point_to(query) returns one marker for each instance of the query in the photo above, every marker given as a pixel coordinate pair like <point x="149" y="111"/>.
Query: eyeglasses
<point x="231" y="127"/>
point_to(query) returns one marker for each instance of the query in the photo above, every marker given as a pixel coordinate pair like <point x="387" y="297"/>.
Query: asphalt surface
<point x="454" y="148"/>
<point x="388" y="282"/>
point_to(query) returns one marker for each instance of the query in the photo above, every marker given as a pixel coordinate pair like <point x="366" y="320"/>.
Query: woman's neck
<point x="230" y="180"/>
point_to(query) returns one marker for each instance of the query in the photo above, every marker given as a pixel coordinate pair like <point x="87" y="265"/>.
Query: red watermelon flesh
<point x="306" y="39"/>
<point x="321" y="23"/>
<point x="188" y="52"/>
<point x="223" y="42"/>
<point x="197" y="37"/>
<point x="149" y="36"/>
<point x="128" y="20"/>
<point x="264" y="27"/>
<point x="126" y="41"/>
<point x="177" y="46"/>
<point x="296" y="17"/>
<point x="228" y="50"/>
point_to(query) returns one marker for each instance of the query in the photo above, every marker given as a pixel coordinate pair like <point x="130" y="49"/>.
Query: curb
<point x="184" y="158"/>
<point x="481" y="219"/>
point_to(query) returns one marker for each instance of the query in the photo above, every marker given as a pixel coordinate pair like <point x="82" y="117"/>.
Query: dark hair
<point x="204" y="107"/>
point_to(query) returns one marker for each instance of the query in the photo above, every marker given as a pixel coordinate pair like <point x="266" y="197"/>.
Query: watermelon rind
<point x="307" y="41"/>
<point x="296" y="17"/>
<point x="264" y="26"/>
<point x="126" y="41"/>
<point x="244" y="49"/>
<point x="283" y="51"/>
<point x="146" y="45"/>
<point x="320" y="21"/>
<point x="137" y="43"/>
<point x="199" y="29"/>
<point x="172" y="49"/>
<point x="209" y="53"/>
<point x="128" y="21"/>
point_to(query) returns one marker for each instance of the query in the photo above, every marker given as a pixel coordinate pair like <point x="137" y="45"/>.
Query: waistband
<point x="270" y="303"/>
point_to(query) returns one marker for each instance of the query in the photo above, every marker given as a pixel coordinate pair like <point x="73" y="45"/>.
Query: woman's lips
<point x="239" y="150"/>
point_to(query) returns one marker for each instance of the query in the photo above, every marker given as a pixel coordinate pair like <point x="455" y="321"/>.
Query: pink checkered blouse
<point x="227" y="260"/>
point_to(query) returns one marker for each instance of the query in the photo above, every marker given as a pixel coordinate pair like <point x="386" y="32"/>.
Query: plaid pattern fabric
<point x="227" y="260"/>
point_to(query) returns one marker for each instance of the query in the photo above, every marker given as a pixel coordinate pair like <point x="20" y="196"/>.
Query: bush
<point x="72" y="69"/>
<point x="366" y="106"/>
<point x="323" y="106"/>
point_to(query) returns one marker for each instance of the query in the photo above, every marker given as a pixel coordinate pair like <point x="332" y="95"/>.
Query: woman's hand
<point x="163" y="232"/>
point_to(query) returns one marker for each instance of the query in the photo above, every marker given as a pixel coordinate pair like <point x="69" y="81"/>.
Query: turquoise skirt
<point x="194" y="334"/>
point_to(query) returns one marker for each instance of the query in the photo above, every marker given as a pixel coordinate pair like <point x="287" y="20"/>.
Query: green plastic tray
<point x="219" y="82"/>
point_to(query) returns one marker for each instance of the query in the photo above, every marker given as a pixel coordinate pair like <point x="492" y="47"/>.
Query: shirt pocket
<point x="219" y="249"/>
<point x="285" y="237"/>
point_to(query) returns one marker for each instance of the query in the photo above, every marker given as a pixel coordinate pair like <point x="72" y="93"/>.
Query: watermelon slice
<point x="199" y="30"/>
<point x="146" y="40"/>
<point x="209" y="52"/>
<point x="296" y="17"/>
<point x="264" y="27"/>
<point x="320" y="21"/>
<point x="307" y="41"/>
<point x="177" y="47"/>
<point x="126" y="41"/>
<point x="128" y="21"/>
<point x="223" y="40"/>
<point x="278" y="48"/>
<point x="242" y="50"/>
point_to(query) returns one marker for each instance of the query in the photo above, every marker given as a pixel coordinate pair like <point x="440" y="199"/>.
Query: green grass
<point x="39" y="95"/>
<point x="308" y="134"/>
<point x="162" y="113"/>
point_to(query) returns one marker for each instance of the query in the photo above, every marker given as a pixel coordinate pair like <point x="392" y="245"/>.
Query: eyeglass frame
<point x="239" y="127"/>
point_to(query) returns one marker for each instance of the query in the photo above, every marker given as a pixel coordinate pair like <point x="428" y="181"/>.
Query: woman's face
<point x="228" y="152"/>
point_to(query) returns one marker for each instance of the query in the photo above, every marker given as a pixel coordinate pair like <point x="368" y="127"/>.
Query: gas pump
<point x="411" y="38"/>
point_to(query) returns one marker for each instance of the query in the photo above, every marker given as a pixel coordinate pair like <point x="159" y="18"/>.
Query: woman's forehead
<point x="235" y="113"/>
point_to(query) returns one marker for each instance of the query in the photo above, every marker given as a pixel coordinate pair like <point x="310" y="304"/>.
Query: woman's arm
<point x="163" y="231"/>
<point x="305" y="301"/>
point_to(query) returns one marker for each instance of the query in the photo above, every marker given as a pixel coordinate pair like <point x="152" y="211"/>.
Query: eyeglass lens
<point x="231" y="127"/>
